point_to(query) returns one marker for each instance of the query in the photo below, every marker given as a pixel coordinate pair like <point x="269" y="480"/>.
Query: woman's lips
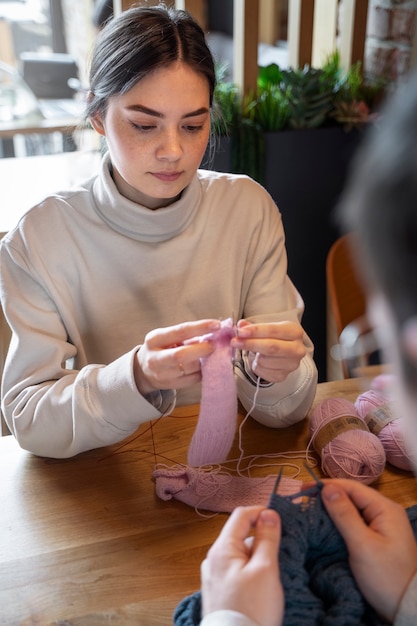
<point x="167" y="177"/>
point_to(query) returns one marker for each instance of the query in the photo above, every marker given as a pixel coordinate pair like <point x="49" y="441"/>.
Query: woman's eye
<point x="193" y="129"/>
<point x="145" y="128"/>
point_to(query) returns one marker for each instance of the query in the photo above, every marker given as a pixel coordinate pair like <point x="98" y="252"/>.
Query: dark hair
<point x="380" y="204"/>
<point x="139" y="41"/>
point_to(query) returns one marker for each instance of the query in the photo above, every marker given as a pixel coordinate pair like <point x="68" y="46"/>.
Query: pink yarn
<point x="216" y="490"/>
<point x="383" y="420"/>
<point x="216" y="426"/>
<point x="384" y="384"/>
<point x="344" y="443"/>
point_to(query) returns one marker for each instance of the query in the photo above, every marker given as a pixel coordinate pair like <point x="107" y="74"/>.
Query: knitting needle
<point x="277" y="481"/>
<point x="274" y="490"/>
<point x="304" y="492"/>
<point x="314" y="475"/>
<point x="311" y="490"/>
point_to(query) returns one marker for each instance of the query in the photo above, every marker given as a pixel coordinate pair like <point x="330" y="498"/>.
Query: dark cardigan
<point x="318" y="583"/>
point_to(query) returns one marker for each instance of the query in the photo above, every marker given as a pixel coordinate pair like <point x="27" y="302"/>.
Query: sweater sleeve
<point x="227" y="618"/>
<point x="407" y="611"/>
<point x="52" y="409"/>
<point x="280" y="404"/>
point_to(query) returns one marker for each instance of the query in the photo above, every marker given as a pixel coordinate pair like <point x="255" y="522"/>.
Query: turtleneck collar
<point x="136" y="221"/>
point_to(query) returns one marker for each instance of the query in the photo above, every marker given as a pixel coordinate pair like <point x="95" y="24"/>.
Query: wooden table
<point x="66" y="125"/>
<point x="28" y="180"/>
<point x="61" y="116"/>
<point x="53" y="115"/>
<point x="85" y="541"/>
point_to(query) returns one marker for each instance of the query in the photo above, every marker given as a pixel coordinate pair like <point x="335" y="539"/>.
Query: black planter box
<point x="305" y="172"/>
<point x="219" y="157"/>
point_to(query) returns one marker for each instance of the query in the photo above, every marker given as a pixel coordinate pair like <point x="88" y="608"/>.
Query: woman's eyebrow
<point x="143" y="109"/>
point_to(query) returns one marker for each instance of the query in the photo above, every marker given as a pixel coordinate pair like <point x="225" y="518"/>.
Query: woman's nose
<point x="170" y="146"/>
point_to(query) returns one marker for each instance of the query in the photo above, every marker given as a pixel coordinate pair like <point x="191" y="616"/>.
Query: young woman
<point x="102" y="284"/>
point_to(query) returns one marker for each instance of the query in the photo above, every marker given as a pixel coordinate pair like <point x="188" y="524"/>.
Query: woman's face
<point x="157" y="134"/>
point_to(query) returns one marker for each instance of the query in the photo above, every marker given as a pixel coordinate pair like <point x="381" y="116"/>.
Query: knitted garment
<point x="214" y="490"/>
<point x="316" y="577"/>
<point x="216" y="426"/>
<point x="213" y="437"/>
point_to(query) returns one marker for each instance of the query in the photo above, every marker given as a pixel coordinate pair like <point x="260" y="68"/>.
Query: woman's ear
<point x="96" y="119"/>
<point x="97" y="123"/>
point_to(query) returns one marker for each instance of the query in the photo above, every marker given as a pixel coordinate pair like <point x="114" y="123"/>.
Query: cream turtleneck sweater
<point x="87" y="273"/>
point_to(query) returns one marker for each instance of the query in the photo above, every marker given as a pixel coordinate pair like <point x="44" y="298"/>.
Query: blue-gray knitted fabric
<point x="318" y="583"/>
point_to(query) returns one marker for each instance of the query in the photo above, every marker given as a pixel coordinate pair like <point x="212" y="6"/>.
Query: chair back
<point x="346" y="308"/>
<point x="346" y="294"/>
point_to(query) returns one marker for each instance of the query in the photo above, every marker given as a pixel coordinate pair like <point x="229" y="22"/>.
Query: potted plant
<point x="291" y="99"/>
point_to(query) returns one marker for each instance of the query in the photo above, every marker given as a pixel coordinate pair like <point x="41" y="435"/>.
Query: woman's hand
<point x="277" y="348"/>
<point x="164" y="362"/>
<point x="240" y="572"/>
<point x="381" y="545"/>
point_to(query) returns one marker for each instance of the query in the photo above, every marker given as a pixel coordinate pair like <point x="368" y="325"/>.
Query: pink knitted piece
<point x="215" y="491"/>
<point x="211" y="442"/>
<point x="216" y="427"/>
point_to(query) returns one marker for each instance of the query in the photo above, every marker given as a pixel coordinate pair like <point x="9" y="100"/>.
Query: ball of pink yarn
<point x="346" y="446"/>
<point x="392" y="434"/>
<point x="384" y="385"/>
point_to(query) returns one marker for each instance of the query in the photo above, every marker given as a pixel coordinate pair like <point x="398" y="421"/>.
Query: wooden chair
<point x="347" y="324"/>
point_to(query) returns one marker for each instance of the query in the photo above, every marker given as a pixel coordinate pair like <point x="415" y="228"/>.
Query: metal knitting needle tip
<point x="277" y="481"/>
<point x="313" y="474"/>
<point x="311" y="492"/>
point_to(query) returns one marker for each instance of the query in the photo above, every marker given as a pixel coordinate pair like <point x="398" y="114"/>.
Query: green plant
<point x="293" y="98"/>
<point x="269" y="107"/>
<point x="356" y="99"/>
<point x="226" y="104"/>
<point x="310" y="95"/>
<point x="226" y="109"/>
<point x="287" y="99"/>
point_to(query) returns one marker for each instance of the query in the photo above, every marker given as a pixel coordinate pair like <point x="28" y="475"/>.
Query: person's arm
<point x="381" y="545"/>
<point x="52" y="408"/>
<point x="407" y="611"/>
<point x="56" y="402"/>
<point x="240" y="573"/>
<point x="227" y="618"/>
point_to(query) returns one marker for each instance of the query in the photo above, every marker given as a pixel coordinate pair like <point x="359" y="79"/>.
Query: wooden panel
<point x="353" y="31"/>
<point x="300" y="32"/>
<point x="7" y="54"/>
<point x="324" y="31"/>
<point x="118" y="6"/>
<point x="197" y="8"/>
<point x="122" y="5"/>
<point x="269" y="21"/>
<point x="245" y="44"/>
